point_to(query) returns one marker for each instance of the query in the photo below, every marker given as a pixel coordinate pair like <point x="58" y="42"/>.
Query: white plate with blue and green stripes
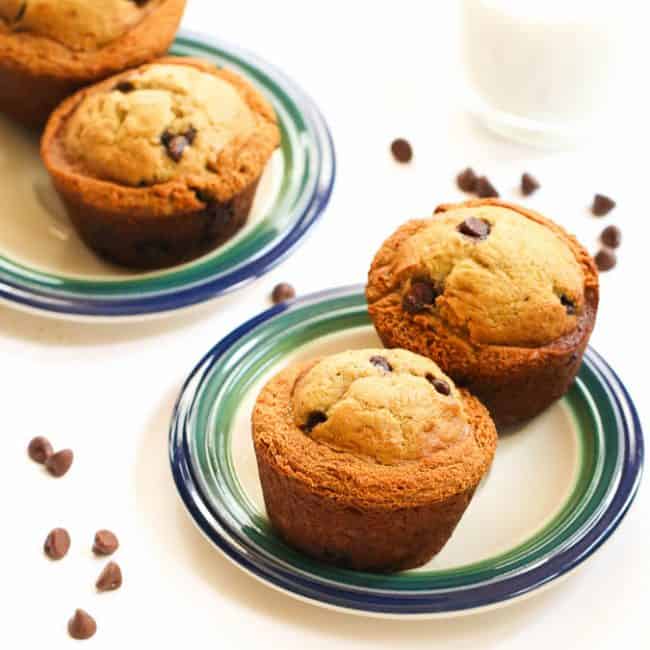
<point x="558" y="488"/>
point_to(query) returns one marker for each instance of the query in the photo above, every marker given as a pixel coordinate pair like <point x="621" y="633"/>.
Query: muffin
<point x="369" y="458"/>
<point x="51" y="48"/>
<point x="502" y="298"/>
<point x="160" y="164"/>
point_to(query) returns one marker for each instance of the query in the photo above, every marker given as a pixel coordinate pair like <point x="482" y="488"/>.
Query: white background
<point x="378" y="70"/>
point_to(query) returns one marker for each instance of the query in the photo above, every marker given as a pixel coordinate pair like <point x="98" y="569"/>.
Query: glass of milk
<point x="546" y="72"/>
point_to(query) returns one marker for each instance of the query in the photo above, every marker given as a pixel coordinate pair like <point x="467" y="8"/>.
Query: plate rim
<point x="486" y="596"/>
<point x="53" y="302"/>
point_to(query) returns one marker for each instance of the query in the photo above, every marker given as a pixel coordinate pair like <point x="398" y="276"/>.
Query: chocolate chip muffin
<point x="51" y="48"/>
<point x="159" y="165"/>
<point x="502" y="298"/>
<point x="369" y="458"/>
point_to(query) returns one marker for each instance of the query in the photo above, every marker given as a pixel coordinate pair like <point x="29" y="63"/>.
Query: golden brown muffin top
<point x="79" y="25"/>
<point x="160" y="123"/>
<point x="386" y="405"/>
<point x="493" y="274"/>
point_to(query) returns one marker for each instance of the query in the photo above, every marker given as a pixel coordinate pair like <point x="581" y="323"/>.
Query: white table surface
<point x="107" y="391"/>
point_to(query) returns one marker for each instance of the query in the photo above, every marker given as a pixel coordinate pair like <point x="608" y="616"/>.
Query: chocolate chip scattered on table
<point x="611" y="236"/>
<point x="106" y="542"/>
<point x="57" y="544"/>
<point x="110" y="578"/>
<point x="59" y="463"/>
<point x="485" y="189"/>
<point x="82" y="625"/>
<point x="402" y="150"/>
<point x="605" y="259"/>
<point x="39" y="449"/>
<point x="283" y="292"/>
<point x="529" y="184"/>
<point x="466" y="180"/>
<point x="602" y="205"/>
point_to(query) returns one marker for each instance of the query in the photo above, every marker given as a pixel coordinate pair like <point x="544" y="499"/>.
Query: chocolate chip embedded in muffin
<point x="124" y="87"/>
<point x="39" y="449"/>
<point x="529" y="184"/>
<point x="467" y="180"/>
<point x="440" y="385"/>
<point x="313" y="420"/>
<point x="484" y="189"/>
<point x="82" y="625"/>
<point x="381" y="362"/>
<point x="602" y="205"/>
<point x="568" y="304"/>
<point x="176" y="144"/>
<point x="605" y="259"/>
<point x="611" y="236"/>
<point x="401" y="150"/>
<point x="420" y="295"/>
<point x="20" y="13"/>
<point x="475" y="228"/>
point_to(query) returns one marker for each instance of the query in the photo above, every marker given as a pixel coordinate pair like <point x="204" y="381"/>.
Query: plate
<point x="558" y="488"/>
<point x="45" y="266"/>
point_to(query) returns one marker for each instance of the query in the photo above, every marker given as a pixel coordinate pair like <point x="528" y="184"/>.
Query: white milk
<point x="543" y="70"/>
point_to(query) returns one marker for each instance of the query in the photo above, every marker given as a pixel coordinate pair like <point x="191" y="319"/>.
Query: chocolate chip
<point x="381" y="362"/>
<point x="190" y="135"/>
<point x="39" y="449"/>
<point x="466" y="180"/>
<point x="572" y="359"/>
<point x="106" y="543"/>
<point x="124" y="87"/>
<point x="282" y="292"/>
<point x="475" y="228"/>
<point x="58" y="464"/>
<point x="421" y="294"/>
<point x="569" y="305"/>
<point x="484" y="189"/>
<point x="140" y="3"/>
<point x="21" y="12"/>
<point x="602" y="205"/>
<point x="441" y="386"/>
<point x="82" y="625"/>
<point x="176" y="146"/>
<point x="57" y="544"/>
<point x="401" y="150"/>
<point x="314" y="419"/>
<point x="529" y="184"/>
<point x="110" y="578"/>
<point x="605" y="259"/>
<point x="611" y="236"/>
